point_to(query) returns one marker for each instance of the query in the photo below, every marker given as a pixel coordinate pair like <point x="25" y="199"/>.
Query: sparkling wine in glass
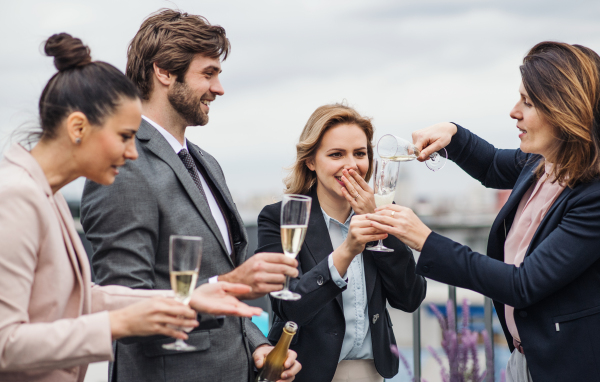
<point x="396" y="149"/>
<point x="385" y="180"/>
<point x="295" y="211"/>
<point x="185" y="254"/>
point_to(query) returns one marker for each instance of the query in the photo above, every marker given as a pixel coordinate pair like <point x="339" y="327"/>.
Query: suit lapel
<point x="80" y="254"/>
<point x="156" y="143"/>
<point x="317" y="241"/>
<point x="197" y="153"/>
<point x="76" y="263"/>
<point x="370" y="273"/>
<point x="516" y="195"/>
<point x="223" y="191"/>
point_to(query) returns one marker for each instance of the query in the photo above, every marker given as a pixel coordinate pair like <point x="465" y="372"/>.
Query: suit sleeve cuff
<point x="335" y="275"/>
<point x="429" y="260"/>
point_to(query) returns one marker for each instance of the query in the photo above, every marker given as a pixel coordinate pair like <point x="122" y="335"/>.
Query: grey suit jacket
<point x="129" y="224"/>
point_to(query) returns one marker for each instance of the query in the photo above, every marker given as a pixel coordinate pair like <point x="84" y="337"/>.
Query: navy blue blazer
<point x="556" y="291"/>
<point x="389" y="277"/>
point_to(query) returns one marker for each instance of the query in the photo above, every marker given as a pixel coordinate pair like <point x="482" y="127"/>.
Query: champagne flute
<point x="385" y="180"/>
<point x="396" y="149"/>
<point x="185" y="254"/>
<point x="295" y="211"/>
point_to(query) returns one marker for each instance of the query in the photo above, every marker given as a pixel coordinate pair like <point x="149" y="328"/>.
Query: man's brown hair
<point x="171" y="39"/>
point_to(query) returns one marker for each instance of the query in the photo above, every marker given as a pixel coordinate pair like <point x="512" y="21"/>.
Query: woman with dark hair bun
<point x="542" y="267"/>
<point x="53" y="320"/>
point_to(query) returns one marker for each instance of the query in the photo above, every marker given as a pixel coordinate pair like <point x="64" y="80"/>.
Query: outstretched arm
<point x="493" y="167"/>
<point x="568" y="251"/>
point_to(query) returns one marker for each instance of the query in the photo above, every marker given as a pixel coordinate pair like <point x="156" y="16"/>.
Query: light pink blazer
<point x="53" y="320"/>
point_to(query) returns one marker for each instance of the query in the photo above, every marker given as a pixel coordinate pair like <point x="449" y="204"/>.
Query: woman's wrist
<point x="349" y="250"/>
<point x="424" y="234"/>
<point x="342" y="257"/>
<point x="453" y="128"/>
<point x="117" y="325"/>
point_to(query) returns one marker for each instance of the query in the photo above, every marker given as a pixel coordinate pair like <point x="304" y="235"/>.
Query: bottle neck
<point x="284" y="340"/>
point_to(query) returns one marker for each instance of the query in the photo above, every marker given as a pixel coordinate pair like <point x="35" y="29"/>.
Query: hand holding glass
<point x="185" y="254"/>
<point x="295" y="212"/>
<point x="396" y="149"/>
<point x="385" y="180"/>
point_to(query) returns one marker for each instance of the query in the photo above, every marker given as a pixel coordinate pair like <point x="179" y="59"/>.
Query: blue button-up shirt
<point x="357" y="338"/>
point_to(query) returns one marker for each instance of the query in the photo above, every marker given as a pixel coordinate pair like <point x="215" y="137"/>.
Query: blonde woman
<point x="345" y="332"/>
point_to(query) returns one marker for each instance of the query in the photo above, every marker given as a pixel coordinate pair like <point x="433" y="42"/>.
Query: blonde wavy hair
<point x="301" y="179"/>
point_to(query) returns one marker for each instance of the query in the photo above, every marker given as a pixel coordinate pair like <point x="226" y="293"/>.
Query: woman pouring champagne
<point x="542" y="267"/>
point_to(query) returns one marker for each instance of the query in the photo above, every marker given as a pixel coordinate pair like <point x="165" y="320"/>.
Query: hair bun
<point x="68" y="51"/>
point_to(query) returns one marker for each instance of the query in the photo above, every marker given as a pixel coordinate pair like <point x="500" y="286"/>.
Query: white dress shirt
<point x="212" y="202"/>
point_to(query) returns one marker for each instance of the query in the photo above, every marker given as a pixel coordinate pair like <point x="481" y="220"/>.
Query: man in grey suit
<point x="175" y="187"/>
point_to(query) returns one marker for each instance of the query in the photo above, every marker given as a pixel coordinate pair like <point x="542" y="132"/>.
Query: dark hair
<point x="94" y="88"/>
<point x="170" y="39"/>
<point x="563" y="82"/>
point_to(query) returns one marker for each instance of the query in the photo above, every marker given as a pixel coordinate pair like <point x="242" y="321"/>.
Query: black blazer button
<point x="425" y="268"/>
<point x="523" y="313"/>
<point x="320" y="280"/>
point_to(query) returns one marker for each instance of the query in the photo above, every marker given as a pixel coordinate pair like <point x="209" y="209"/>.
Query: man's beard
<point x="184" y="101"/>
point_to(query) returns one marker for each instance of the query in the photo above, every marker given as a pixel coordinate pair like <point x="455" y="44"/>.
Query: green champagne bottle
<point x="273" y="366"/>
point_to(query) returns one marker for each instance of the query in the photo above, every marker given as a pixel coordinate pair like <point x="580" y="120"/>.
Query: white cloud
<point x="406" y="64"/>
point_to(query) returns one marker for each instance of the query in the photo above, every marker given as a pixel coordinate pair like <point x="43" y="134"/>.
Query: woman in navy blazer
<point x="331" y="168"/>
<point x="555" y="291"/>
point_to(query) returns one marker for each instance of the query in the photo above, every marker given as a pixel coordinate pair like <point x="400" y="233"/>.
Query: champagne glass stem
<point x="286" y="286"/>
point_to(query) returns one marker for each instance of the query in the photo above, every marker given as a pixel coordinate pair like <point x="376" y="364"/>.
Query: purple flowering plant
<point x="460" y="348"/>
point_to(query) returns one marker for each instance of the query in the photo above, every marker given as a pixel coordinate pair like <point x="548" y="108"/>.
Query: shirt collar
<point x="328" y="219"/>
<point x="168" y="136"/>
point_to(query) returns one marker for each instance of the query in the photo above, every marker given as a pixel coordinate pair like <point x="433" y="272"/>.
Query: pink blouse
<point x="533" y="207"/>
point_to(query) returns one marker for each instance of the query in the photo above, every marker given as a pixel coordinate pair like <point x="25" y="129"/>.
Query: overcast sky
<point x="406" y="64"/>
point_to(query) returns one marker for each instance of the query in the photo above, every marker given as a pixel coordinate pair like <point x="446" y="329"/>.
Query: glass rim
<point x="296" y="197"/>
<point x="185" y="237"/>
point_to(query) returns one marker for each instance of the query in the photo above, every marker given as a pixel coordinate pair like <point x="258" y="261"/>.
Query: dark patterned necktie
<point x="189" y="163"/>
